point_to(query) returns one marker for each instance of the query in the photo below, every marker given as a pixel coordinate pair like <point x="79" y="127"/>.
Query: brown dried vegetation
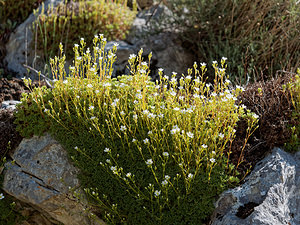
<point x="272" y="103"/>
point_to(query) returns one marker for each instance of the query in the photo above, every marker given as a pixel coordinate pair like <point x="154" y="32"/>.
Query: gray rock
<point x="16" y="47"/>
<point x="11" y="104"/>
<point x="42" y="176"/>
<point x="270" y="194"/>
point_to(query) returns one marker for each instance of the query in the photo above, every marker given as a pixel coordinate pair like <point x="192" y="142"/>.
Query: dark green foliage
<point x="14" y="12"/>
<point x="30" y="118"/>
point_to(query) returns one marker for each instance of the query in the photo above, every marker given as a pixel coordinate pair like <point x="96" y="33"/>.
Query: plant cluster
<point x="259" y="37"/>
<point x="81" y="19"/>
<point x="149" y="153"/>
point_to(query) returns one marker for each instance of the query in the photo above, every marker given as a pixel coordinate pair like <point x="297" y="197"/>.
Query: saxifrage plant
<point x="149" y="153"/>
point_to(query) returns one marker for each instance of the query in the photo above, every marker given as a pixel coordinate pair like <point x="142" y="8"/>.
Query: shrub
<point x="148" y="153"/>
<point x="81" y="19"/>
<point x="259" y="37"/>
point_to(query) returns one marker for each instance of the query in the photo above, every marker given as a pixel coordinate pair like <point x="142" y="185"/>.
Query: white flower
<point x="89" y="85"/>
<point x="224" y="58"/>
<point x="144" y="64"/>
<point x="135" y="117"/>
<point x="212" y="160"/>
<point x="190" y="176"/>
<point x="107" y="150"/>
<point x="128" y="174"/>
<point x="174" y="73"/>
<point x="93" y="117"/>
<point x="122" y="113"/>
<point x="181" y="98"/>
<point x="45" y="110"/>
<point x="180" y="87"/>
<point x="164" y="182"/>
<point x="131" y="56"/>
<point x="123" y="128"/>
<point x="188" y="77"/>
<point x="113" y="168"/>
<point x="75" y="147"/>
<point x="255" y="116"/>
<point x="196" y="96"/>
<point x="139" y="96"/>
<point x="213" y="152"/>
<point x="173" y="93"/>
<point x="97" y="91"/>
<point x="79" y="58"/>
<point x="214" y="62"/>
<point x="107" y="84"/>
<point x="203" y="64"/>
<point x="76" y="45"/>
<point x="243" y="106"/>
<point x="146" y="141"/>
<point x="150" y="132"/>
<point x="91" y="107"/>
<point x="133" y="140"/>
<point x="162" y="130"/>
<point x="151" y="115"/>
<point x="157" y="193"/>
<point x="149" y="162"/>
<point x="167" y="177"/>
<point x="65" y="81"/>
<point x="204" y="146"/>
<point x="190" y="134"/>
<point x="108" y="160"/>
<point x="116" y="44"/>
<point x="175" y="129"/>
<point x="165" y="154"/>
<point x="176" y="109"/>
<point x="142" y="71"/>
<point x="160" y="70"/>
<point x="173" y="79"/>
<point x="135" y="102"/>
<point x="146" y="112"/>
<point x="1" y="196"/>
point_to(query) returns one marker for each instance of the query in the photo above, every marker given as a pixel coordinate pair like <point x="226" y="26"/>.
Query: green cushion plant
<point x="149" y="153"/>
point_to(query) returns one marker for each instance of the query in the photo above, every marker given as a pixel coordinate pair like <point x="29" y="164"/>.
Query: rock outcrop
<point x="42" y="176"/>
<point x="270" y="194"/>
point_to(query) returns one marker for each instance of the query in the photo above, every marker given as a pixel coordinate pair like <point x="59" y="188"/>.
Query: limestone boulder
<point x="270" y="194"/>
<point x="41" y="175"/>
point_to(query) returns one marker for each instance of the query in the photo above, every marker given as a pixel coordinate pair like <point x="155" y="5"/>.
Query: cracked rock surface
<point x="41" y="176"/>
<point x="270" y="194"/>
